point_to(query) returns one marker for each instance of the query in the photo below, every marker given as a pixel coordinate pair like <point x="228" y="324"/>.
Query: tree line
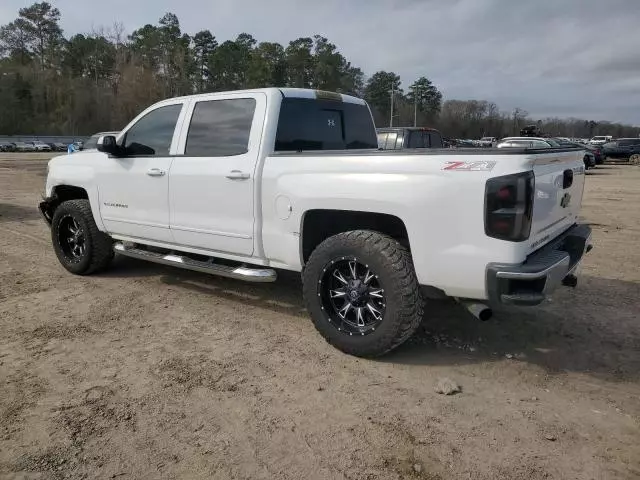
<point x="97" y="81"/>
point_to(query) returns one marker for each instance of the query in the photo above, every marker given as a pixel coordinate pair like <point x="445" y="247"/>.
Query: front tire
<point x="634" y="159"/>
<point x="80" y="247"/>
<point x="362" y="292"/>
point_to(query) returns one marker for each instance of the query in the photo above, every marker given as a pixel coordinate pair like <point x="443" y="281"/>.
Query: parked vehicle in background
<point x="531" y="131"/>
<point x="600" y="140"/>
<point x="597" y="153"/>
<point x="488" y="141"/>
<point x="58" y="147"/>
<point x="589" y="155"/>
<point x="527" y="142"/>
<point x="78" y="145"/>
<point x="622" y="148"/>
<point x="39" y="146"/>
<point x="242" y="183"/>
<point x="7" y="147"/>
<point x="395" y="138"/>
<point x="24" y="147"/>
<point x="462" y="143"/>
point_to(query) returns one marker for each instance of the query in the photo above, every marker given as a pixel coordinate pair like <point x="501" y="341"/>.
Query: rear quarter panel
<point x="442" y="208"/>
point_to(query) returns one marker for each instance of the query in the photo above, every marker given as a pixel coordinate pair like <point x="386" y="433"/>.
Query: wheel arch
<point x="320" y="224"/>
<point x="64" y="192"/>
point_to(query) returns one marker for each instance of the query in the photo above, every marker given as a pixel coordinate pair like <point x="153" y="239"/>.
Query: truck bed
<point x="429" y="151"/>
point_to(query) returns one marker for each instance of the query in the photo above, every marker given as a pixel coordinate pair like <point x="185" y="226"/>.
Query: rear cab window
<point x="320" y="124"/>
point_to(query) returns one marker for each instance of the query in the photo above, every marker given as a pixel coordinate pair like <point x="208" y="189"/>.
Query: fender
<point x="67" y="171"/>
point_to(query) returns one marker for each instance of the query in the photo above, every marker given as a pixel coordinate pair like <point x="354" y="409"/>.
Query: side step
<point x="240" y="272"/>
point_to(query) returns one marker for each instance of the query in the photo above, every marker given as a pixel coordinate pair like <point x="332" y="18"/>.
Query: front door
<point x="211" y="184"/>
<point x="134" y="189"/>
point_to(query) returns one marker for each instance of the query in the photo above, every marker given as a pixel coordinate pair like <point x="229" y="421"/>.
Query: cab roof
<point x="286" y="93"/>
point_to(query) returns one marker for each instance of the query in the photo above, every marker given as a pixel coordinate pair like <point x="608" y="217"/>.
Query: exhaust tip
<point x="485" y="314"/>
<point x="478" y="310"/>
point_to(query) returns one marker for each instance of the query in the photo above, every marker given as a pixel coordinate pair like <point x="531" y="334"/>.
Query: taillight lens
<point x="509" y="206"/>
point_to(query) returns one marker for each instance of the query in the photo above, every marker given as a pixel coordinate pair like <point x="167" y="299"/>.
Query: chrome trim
<point x="562" y="263"/>
<point x="210" y="232"/>
<point x="242" y="272"/>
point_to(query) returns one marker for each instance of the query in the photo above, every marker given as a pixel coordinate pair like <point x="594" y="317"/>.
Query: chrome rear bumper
<point x="545" y="270"/>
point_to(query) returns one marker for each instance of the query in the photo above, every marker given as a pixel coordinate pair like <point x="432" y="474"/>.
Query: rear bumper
<point x="542" y="272"/>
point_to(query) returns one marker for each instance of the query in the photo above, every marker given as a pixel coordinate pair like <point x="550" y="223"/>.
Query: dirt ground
<point x="149" y="372"/>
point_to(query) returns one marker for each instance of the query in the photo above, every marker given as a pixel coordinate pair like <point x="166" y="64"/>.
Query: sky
<point x="565" y="58"/>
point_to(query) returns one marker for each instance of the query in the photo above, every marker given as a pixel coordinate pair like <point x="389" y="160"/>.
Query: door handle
<point x="237" y="175"/>
<point x="155" y="172"/>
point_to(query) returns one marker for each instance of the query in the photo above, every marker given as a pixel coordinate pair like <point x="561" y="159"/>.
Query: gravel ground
<point x="151" y="372"/>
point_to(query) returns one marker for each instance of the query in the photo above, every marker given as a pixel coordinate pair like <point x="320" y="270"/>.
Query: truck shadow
<point x="10" y="212"/>
<point x="593" y="329"/>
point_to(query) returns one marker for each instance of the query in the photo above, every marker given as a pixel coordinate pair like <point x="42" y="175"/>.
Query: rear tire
<point x="80" y="247"/>
<point x="392" y="291"/>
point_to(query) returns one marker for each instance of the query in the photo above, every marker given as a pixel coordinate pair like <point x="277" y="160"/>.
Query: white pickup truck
<point x="244" y="183"/>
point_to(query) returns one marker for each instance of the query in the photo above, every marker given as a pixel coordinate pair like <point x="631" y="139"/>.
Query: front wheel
<point x="635" y="159"/>
<point x="362" y="292"/>
<point x="80" y="247"/>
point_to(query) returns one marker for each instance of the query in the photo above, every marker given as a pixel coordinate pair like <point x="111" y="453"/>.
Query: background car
<point x="462" y="143"/>
<point x="622" y="148"/>
<point x="527" y="142"/>
<point x="39" y="146"/>
<point x="392" y="138"/>
<point x="589" y="155"/>
<point x="597" y="152"/>
<point x="488" y="142"/>
<point x="600" y="140"/>
<point x="7" y="147"/>
<point x="24" y="147"/>
<point x="58" y="147"/>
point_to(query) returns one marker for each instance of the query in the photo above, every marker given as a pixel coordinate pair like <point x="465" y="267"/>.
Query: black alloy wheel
<point x="71" y="239"/>
<point x="352" y="296"/>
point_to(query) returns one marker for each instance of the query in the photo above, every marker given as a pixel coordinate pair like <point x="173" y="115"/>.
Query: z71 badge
<point x="477" y="166"/>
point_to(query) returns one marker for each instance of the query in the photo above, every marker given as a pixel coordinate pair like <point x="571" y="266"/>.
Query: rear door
<point x="559" y="185"/>
<point x="212" y="180"/>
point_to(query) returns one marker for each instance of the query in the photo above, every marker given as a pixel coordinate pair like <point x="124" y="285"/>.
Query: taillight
<point x="509" y="206"/>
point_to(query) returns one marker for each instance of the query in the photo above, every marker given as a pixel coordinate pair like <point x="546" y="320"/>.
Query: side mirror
<point x="107" y="144"/>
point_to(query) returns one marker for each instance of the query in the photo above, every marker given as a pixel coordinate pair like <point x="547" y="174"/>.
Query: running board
<point x="240" y="273"/>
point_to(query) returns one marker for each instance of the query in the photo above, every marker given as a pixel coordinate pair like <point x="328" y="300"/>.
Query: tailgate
<point x="559" y="185"/>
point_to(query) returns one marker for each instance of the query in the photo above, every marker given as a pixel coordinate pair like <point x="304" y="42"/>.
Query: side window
<point x="220" y="128"/>
<point x="152" y="134"/>
<point x="436" y="140"/>
<point x="415" y="139"/>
